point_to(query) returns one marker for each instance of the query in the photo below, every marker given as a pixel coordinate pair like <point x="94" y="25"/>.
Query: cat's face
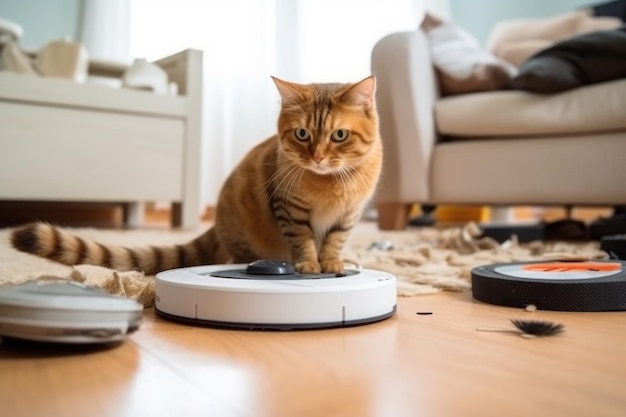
<point x="327" y="128"/>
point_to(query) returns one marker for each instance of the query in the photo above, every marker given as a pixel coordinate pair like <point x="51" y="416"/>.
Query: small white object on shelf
<point x="146" y="75"/>
<point x="10" y="30"/>
<point x="12" y="58"/>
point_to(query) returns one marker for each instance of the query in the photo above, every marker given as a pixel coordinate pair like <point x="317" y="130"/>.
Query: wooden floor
<point x="408" y="365"/>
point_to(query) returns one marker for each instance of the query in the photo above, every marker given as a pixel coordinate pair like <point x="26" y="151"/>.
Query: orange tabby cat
<point x="294" y="197"/>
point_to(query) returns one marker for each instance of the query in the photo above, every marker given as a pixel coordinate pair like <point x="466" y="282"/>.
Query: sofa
<point x="499" y="147"/>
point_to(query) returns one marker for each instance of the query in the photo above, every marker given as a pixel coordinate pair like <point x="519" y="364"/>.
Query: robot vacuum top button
<point x="270" y="267"/>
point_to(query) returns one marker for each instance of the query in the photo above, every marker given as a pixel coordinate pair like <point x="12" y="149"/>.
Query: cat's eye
<point x="340" y="135"/>
<point x="302" y="134"/>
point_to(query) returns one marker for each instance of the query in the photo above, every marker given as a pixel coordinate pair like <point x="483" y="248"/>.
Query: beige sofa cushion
<point x="593" y="108"/>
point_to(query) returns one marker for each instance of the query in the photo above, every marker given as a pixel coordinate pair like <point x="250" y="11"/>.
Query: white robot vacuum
<point x="56" y="310"/>
<point x="269" y="294"/>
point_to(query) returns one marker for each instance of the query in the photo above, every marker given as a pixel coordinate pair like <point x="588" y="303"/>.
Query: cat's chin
<point x="322" y="170"/>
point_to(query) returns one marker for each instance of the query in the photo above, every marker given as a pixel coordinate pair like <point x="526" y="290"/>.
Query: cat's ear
<point x="289" y="92"/>
<point x="361" y="93"/>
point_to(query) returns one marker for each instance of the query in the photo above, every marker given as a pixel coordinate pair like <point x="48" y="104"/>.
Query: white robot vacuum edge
<point x="270" y="295"/>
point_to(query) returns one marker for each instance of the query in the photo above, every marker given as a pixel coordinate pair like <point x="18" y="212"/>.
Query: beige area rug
<point x="424" y="260"/>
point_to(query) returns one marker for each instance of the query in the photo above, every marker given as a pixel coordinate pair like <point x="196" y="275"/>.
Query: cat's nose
<point x="318" y="159"/>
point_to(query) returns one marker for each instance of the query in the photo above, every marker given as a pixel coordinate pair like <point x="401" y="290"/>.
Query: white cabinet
<point x="65" y="141"/>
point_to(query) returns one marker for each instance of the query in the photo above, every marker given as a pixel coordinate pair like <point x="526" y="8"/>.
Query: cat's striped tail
<point x="58" y="245"/>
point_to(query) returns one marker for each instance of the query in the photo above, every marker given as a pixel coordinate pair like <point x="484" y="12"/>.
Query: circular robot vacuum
<point x="558" y="285"/>
<point x="268" y="294"/>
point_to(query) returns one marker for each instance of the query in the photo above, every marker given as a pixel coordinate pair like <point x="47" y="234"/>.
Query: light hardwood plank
<point x="409" y="365"/>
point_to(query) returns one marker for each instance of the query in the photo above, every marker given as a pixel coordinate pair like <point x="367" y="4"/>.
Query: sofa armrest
<point x="406" y="93"/>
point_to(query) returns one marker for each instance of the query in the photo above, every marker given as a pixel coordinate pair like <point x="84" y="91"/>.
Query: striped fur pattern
<point x="58" y="245"/>
<point x="294" y="197"/>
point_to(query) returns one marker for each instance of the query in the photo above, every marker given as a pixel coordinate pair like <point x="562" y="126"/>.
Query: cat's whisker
<point x="263" y="186"/>
<point x="345" y="178"/>
<point x="284" y="171"/>
<point x="300" y="174"/>
<point x="359" y="178"/>
<point x="348" y="178"/>
<point x="288" y="171"/>
<point x="297" y="176"/>
<point x="281" y="175"/>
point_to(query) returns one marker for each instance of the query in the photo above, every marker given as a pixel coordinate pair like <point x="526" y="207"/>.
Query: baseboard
<point x="98" y="215"/>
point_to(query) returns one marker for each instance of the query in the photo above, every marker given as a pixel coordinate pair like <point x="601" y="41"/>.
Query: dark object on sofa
<point x="614" y="245"/>
<point x="586" y="59"/>
<point x="610" y="8"/>
<point x="607" y="226"/>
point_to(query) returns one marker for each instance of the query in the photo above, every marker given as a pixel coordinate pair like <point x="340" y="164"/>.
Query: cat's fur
<point x="294" y="197"/>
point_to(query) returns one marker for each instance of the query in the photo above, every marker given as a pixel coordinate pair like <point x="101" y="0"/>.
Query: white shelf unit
<point x="83" y="142"/>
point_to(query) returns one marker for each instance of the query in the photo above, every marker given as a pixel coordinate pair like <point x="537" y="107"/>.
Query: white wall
<point x="43" y="21"/>
<point x="479" y="16"/>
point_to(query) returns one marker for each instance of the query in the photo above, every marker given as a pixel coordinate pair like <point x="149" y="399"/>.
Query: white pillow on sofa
<point x="462" y="65"/>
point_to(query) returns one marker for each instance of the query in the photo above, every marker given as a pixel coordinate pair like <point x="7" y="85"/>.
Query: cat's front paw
<point x="334" y="266"/>
<point x="307" y="267"/>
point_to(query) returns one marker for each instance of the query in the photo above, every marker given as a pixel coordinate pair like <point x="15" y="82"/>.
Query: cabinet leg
<point x="393" y="216"/>
<point x="134" y="214"/>
<point x="176" y="218"/>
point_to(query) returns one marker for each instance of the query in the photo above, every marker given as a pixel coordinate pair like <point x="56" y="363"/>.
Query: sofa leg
<point x="427" y="218"/>
<point x="393" y="216"/>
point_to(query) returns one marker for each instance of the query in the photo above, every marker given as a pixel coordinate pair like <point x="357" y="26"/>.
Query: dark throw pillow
<point x="615" y="8"/>
<point x="586" y="59"/>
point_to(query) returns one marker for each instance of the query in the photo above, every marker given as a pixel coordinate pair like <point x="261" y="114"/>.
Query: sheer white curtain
<point x="105" y="29"/>
<point x="246" y="41"/>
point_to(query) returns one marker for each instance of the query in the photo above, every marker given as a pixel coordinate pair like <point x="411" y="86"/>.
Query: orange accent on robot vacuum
<point x="572" y="266"/>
